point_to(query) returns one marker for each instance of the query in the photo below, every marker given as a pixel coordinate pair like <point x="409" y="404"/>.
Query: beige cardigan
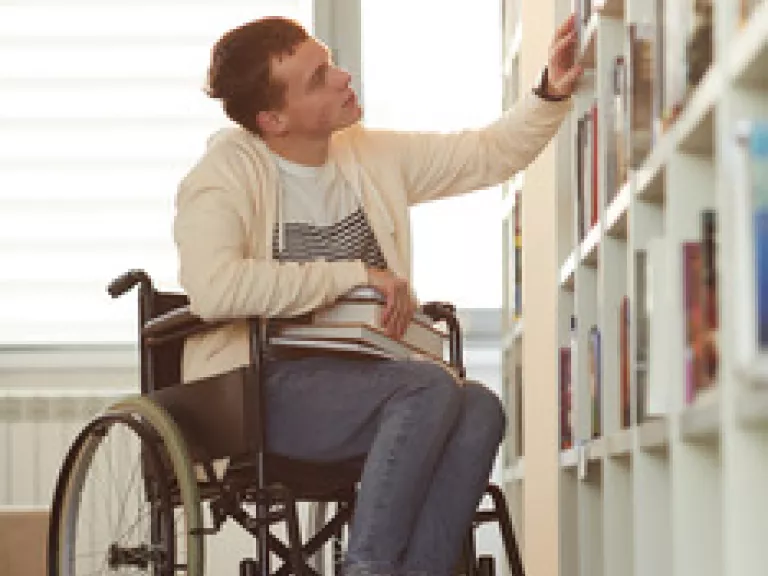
<point x="227" y="205"/>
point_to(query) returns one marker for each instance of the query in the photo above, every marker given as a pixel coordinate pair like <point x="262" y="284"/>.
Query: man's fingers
<point x="570" y="77"/>
<point x="564" y="28"/>
<point x="398" y="320"/>
<point x="386" y="313"/>
<point x="562" y="46"/>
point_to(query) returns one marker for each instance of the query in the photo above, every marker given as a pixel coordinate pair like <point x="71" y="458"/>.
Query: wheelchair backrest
<point x="160" y="364"/>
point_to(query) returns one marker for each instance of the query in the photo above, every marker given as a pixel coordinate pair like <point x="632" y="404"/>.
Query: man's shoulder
<point x="367" y="143"/>
<point x="230" y="152"/>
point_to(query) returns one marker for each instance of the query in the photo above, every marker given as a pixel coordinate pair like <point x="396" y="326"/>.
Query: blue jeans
<point x="430" y="446"/>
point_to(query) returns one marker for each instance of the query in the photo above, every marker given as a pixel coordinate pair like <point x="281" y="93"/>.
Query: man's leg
<point x="457" y="485"/>
<point x="399" y="413"/>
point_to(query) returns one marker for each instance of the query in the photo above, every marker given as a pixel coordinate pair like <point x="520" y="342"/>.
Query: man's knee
<point x="433" y="381"/>
<point x="486" y="409"/>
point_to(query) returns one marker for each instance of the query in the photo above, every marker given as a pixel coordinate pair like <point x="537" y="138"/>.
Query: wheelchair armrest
<point x="439" y="310"/>
<point x="175" y="325"/>
<point x="446" y="312"/>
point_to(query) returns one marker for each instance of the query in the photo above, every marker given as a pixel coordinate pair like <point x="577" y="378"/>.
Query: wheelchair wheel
<point x="127" y="501"/>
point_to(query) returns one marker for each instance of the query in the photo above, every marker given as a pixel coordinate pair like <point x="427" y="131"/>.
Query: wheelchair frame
<point x="169" y="420"/>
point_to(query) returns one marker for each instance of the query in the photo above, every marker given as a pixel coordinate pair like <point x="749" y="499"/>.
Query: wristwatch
<point x="541" y="88"/>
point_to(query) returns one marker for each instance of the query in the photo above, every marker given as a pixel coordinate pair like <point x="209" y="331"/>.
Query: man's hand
<point x="400" y="305"/>
<point x="562" y="70"/>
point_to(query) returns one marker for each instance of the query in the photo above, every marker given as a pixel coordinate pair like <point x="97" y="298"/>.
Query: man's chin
<point x="351" y="117"/>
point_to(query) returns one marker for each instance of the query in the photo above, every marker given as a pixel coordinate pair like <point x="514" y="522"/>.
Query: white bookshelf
<point x="682" y="493"/>
<point x="513" y="322"/>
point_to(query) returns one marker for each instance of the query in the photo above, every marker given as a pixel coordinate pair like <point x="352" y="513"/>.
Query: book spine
<point x="595" y="388"/>
<point x="580" y="176"/>
<point x="566" y="434"/>
<point x="622" y="133"/>
<point x="758" y="176"/>
<point x="641" y="53"/>
<point x="693" y="318"/>
<point x="624" y="400"/>
<point x="642" y="330"/>
<point x="746" y="8"/>
<point x="587" y="158"/>
<point x="574" y="406"/>
<point x="518" y="302"/>
<point x="710" y="358"/>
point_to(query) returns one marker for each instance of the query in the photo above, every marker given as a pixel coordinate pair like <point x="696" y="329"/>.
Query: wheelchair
<point x="138" y="480"/>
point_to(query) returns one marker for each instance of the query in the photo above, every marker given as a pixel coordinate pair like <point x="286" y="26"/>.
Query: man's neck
<point x="307" y="152"/>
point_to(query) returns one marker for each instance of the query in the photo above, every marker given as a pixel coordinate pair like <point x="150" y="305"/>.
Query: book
<point x="693" y="317"/>
<point x="579" y="224"/>
<point x="710" y="310"/>
<point x="518" y="252"/>
<point x="641" y="334"/>
<point x="750" y="255"/>
<point x="616" y="168"/>
<point x="660" y="66"/>
<point x="365" y="306"/>
<point x="357" y="338"/>
<point x="746" y="9"/>
<point x="699" y="45"/>
<point x="352" y="325"/>
<point x="641" y="69"/>
<point x="625" y="414"/>
<point x="574" y="406"/>
<point x="594" y="371"/>
<point x="758" y="183"/>
<point x="566" y="423"/>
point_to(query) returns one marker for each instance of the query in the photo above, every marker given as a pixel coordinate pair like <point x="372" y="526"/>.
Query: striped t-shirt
<point x="320" y="217"/>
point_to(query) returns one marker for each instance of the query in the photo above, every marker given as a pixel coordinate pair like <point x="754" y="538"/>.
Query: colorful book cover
<point x="642" y="330"/>
<point x="586" y="159"/>
<point x="758" y="174"/>
<point x="710" y="321"/>
<point x="624" y="364"/>
<point x="579" y="205"/>
<point x="617" y="162"/>
<point x="518" y="302"/>
<point x="699" y="44"/>
<point x="595" y="375"/>
<point x="641" y="68"/>
<point x="746" y="8"/>
<point x="693" y="317"/>
<point x="566" y="426"/>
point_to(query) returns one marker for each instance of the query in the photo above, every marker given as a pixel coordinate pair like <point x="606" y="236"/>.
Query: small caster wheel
<point x="249" y="567"/>
<point x="486" y="565"/>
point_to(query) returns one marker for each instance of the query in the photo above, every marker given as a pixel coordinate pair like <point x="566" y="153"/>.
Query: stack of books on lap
<point x="352" y="326"/>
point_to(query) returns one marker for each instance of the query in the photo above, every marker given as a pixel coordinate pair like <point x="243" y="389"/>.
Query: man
<point x="299" y="205"/>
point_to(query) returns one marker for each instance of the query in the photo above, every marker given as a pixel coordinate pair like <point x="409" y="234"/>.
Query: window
<point x="101" y="114"/>
<point x="436" y="65"/>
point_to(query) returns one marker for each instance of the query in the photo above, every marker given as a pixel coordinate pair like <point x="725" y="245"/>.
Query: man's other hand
<point x="400" y="305"/>
<point x="563" y="72"/>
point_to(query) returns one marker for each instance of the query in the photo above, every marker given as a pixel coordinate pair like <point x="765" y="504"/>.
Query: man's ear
<point x="272" y="122"/>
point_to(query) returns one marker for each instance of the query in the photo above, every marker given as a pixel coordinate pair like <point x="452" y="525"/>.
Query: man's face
<point x="318" y="97"/>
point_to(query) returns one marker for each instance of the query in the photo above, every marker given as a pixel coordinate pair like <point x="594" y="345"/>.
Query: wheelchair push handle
<point x="128" y="280"/>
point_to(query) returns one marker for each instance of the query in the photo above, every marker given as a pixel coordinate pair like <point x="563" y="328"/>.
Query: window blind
<point x="101" y="114"/>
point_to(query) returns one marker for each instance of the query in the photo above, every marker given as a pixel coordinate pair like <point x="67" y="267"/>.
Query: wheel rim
<point x="113" y="493"/>
<point x="162" y="432"/>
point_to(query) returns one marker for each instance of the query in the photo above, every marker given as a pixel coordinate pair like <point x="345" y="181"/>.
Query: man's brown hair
<point x="240" y="73"/>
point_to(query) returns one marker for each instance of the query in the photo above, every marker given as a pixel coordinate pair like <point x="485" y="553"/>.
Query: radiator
<point x="35" y="433"/>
